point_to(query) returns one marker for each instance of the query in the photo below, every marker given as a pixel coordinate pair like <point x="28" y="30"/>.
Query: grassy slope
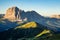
<point x="28" y="25"/>
<point x="31" y="31"/>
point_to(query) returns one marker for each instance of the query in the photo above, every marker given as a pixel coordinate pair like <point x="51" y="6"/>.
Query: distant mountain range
<point x="55" y="16"/>
<point x="17" y="24"/>
<point x="1" y="15"/>
<point x="17" y="14"/>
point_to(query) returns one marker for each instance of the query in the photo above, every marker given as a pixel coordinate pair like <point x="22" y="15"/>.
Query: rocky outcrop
<point x="13" y="13"/>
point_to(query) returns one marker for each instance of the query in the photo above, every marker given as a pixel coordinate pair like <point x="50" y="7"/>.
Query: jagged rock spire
<point x="13" y="13"/>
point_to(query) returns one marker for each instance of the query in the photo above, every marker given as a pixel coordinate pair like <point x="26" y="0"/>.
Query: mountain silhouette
<point x="26" y="25"/>
<point x="50" y="23"/>
<point x="17" y="14"/>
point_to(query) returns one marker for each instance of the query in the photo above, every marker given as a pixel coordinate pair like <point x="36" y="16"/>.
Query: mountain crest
<point x="13" y="13"/>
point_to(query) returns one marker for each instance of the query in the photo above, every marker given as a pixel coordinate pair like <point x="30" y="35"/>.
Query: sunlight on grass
<point x="28" y="25"/>
<point x="43" y="32"/>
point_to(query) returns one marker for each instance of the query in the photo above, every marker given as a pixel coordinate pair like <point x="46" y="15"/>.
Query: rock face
<point x="13" y="13"/>
<point x="55" y="16"/>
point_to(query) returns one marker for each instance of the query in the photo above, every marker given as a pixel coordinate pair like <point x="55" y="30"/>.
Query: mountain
<point x="1" y="15"/>
<point x="28" y="24"/>
<point x="6" y="24"/>
<point x="21" y="31"/>
<point x="50" y="23"/>
<point x="55" y="16"/>
<point x="12" y="13"/>
<point x="38" y="33"/>
<point x="15" y="13"/>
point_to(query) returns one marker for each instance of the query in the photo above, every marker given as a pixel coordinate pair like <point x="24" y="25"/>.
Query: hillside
<point x="28" y="25"/>
<point x="29" y="31"/>
<point x="25" y="30"/>
<point x="15" y="14"/>
<point x="20" y="25"/>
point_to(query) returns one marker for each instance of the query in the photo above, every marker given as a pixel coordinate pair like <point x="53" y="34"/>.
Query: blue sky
<point x="43" y="7"/>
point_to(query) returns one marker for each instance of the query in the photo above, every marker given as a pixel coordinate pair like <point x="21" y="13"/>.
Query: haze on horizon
<point x="43" y="7"/>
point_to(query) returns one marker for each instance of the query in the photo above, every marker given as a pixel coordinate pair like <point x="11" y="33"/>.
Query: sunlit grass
<point x="43" y="32"/>
<point x="28" y="25"/>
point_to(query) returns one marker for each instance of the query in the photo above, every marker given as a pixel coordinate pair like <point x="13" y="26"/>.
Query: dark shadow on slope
<point x="15" y="34"/>
<point x="6" y="24"/>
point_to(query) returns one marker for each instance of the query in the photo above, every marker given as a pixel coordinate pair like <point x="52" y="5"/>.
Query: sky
<point x="43" y="7"/>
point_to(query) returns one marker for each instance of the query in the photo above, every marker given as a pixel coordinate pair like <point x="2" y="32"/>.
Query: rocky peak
<point x="13" y="13"/>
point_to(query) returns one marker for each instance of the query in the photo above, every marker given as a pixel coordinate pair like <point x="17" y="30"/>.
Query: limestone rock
<point x="13" y="13"/>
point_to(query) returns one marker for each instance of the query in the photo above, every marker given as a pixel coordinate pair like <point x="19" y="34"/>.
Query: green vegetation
<point x="28" y="25"/>
<point x="43" y="32"/>
<point x="29" y="31"/>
